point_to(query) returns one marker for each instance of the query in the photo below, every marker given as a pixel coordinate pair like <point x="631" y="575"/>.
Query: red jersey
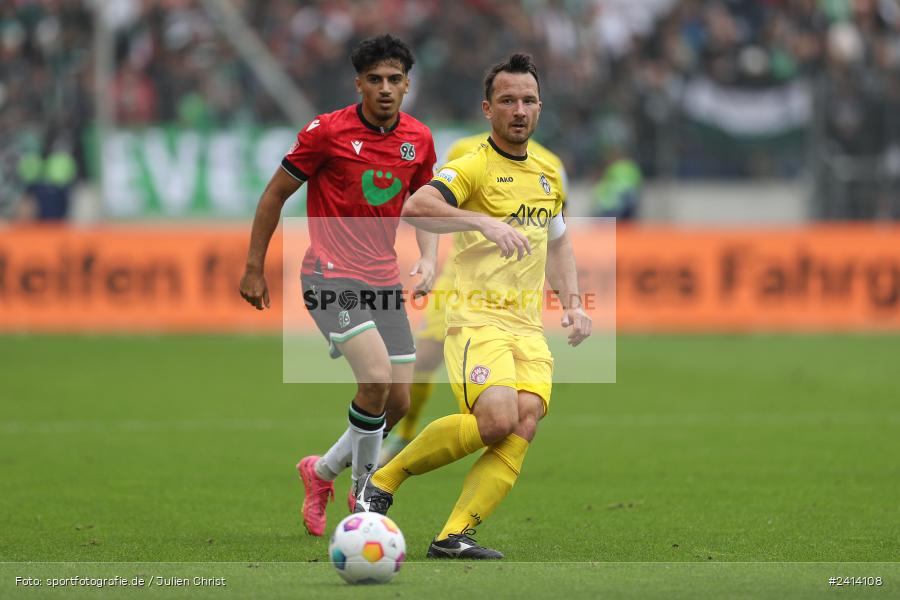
<point x="359" y="176"/>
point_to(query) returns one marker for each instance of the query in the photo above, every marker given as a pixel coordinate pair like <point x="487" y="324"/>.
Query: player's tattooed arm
<point x="563" y="278"/>
<point x="253" y="286"/>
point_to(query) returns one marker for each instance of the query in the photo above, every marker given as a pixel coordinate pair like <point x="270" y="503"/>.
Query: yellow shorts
<point x="480" y="357"/>
<point x="434" y="323"/>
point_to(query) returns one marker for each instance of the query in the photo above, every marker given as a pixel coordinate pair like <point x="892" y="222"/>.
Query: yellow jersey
<point x="464" y="146"/>
<point x="525" y="192"/>
<point x="470" y="143"/>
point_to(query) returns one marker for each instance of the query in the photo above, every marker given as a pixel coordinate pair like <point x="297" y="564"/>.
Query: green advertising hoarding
<point x="168" y="172"/>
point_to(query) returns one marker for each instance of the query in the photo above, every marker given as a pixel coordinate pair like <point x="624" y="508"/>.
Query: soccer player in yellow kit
<point x="430" y="338"/>
<point x="497" y="358"/>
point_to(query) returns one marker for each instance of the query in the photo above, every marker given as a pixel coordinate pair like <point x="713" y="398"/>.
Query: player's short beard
<point x="511" y="138"/>
<point x="383" y="114"/>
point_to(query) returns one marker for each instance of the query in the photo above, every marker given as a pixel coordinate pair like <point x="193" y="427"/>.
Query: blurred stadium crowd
<point x="692" y="88"/>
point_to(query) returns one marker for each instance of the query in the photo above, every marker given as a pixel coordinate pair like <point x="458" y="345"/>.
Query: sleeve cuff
<point x="293" y="171"/>
<point x="445" y="192"/>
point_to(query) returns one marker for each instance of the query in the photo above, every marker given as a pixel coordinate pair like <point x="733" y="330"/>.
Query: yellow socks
<point x="486" y="485"/>
<point x="442" y="442"/>
<point x="418" y="395"/>
<point x="446" y="440"/>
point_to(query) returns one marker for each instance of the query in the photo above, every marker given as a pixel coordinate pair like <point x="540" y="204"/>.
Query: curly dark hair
<point x="374" y="50"/>
<point x="517" y="63"/>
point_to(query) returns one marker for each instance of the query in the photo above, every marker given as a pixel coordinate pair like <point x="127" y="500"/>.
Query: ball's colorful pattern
<point x="373" y="552"/>
<point x="367" y="548"/>
<point x="352" y="523"/>
<point x="338" y="559"/>
<point x="390" y="525"/>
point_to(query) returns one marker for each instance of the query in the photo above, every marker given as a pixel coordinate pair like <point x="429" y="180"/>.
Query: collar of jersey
<point x="506" y="154"/>
<point x="362" y="118"/>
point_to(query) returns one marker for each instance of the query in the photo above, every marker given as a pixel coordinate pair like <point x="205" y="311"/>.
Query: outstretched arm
<point x="563" y="278"/>
<point x="253" y="285"/>
<point x="427" y="209"/>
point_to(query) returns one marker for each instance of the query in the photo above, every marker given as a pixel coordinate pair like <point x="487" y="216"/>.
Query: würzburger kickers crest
<point x="479" y="374"/>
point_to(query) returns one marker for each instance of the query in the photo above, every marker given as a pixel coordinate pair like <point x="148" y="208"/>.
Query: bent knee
<point x="526" y="427"/>
<point x="494" y="428"/>
<point x="375" y="392"/>
<point x="397" y="401"/>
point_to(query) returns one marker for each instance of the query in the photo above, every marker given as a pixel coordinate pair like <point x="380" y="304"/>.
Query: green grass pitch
<point x="717" y="466"/>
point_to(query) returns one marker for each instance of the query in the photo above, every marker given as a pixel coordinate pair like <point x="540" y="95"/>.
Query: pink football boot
<point x="318" y="492"/>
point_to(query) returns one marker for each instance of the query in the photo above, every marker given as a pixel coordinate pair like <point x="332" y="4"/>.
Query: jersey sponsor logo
<point x="357" y="146"/>
<point x="545" y="184"/>
<point x="447" y="175"/>
<point x="479" y="374"/>
<point x="375" y="195"/>
<point x="313" y="125"/>
<point x="294" y="147"/>
<point x="407" y="151"/>
<point x="504" y="180"/>
<point x="530" y="216"/>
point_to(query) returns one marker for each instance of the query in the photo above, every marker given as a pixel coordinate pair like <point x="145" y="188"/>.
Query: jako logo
<point x="504" y="180"/>
<point x="376" y="196"/>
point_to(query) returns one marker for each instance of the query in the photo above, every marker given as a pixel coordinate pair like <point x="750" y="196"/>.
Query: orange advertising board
<point x="821" y="278"/>
<point x="129" y="279"/>
<point x="184" y="279"/>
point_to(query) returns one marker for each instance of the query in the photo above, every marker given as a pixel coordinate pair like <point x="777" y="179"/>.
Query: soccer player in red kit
<point x="361" y="163"/>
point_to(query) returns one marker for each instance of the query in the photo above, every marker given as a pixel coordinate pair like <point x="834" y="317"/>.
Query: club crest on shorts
<point x="343" y="319"/>
<point x="479" y="374"/>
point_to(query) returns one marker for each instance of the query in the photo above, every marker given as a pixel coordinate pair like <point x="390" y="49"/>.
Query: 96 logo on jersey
<point x="407" y="151"/>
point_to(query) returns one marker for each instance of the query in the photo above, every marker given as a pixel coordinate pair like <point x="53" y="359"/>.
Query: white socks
<point x="359" y="446"/>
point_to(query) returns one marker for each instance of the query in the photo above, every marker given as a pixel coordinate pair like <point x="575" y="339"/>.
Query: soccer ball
<point x="367" y="548"/>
